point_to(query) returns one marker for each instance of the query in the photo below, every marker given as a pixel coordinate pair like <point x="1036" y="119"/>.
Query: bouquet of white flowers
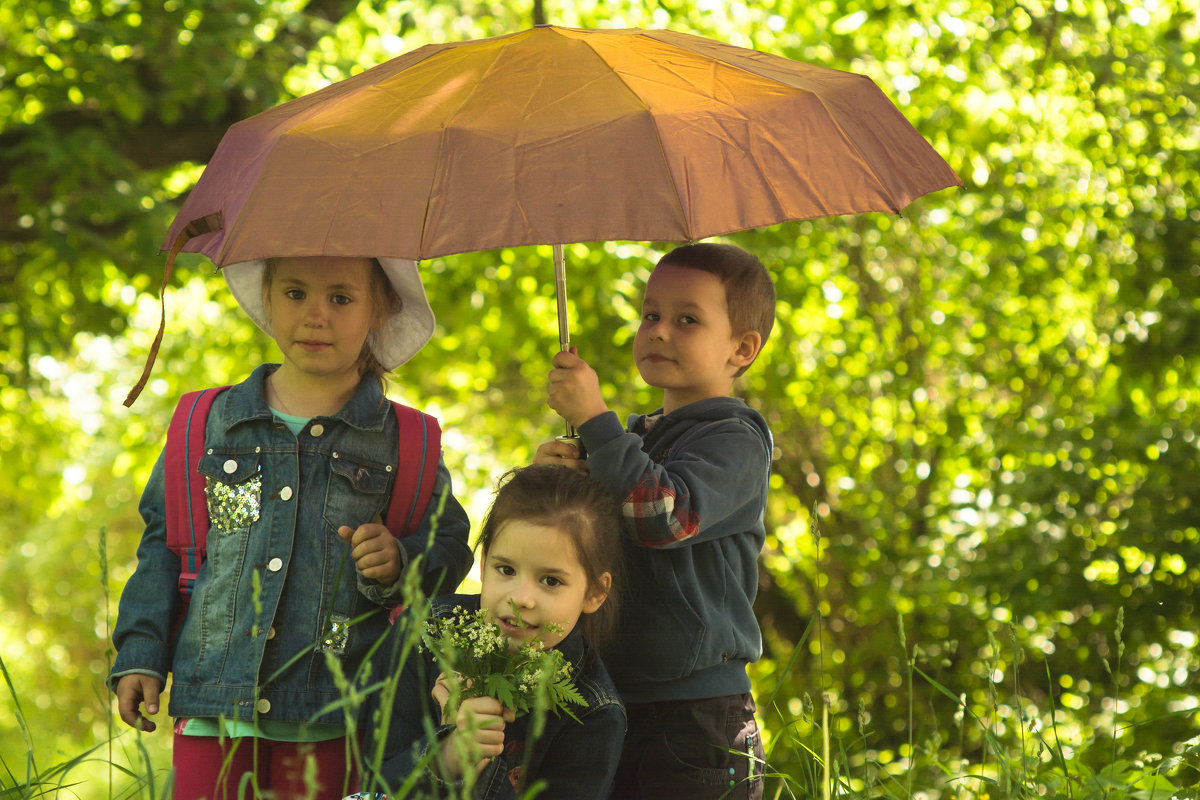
<point x="468" y="645"/>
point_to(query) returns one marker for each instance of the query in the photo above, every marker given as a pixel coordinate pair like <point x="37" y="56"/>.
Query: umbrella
<point x="549" y="136"/>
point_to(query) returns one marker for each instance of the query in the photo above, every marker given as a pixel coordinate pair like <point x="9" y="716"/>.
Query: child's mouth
<point x="511" y="627"/>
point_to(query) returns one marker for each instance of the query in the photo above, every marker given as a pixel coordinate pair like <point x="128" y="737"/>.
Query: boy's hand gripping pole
<point x="564" y="332"/>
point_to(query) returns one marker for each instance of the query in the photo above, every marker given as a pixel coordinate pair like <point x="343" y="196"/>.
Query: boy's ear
<point x="748" y="345"/>
<point x="596" y="598"/>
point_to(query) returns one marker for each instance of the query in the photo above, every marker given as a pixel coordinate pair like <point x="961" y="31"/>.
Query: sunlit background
<point x="983" y="536"/>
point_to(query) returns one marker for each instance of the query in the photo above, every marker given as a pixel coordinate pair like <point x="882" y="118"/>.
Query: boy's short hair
<point x="749" y="290"/>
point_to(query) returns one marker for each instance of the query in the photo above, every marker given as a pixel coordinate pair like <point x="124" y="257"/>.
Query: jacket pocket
<point x="357" y="491"/>
<point x="233" y="489"/>
<point x="233" y="492"/>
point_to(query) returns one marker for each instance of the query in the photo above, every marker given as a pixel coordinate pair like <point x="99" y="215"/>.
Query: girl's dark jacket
<point x="576" y="759"/>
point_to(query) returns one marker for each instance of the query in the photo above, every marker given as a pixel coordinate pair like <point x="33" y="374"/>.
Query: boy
<point x="692" y="480"/>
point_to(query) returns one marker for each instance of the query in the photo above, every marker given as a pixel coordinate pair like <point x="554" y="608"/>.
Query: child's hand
<point x="560" y="453"/>
<point x="376" y="554"/>
<point x="131" y="691"/>
<point x="574" y="390"/>
<point x="441" y="694"/>
<point x="478" y="736"/>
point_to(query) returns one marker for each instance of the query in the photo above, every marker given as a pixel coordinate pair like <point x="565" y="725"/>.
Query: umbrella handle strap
<point x="196" y="227"/>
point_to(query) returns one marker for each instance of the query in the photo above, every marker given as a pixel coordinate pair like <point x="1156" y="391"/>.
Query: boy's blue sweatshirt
<point x="693" y="489"/>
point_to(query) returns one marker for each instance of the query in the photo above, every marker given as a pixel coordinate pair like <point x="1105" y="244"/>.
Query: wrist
<point x="446" y="765"/>
<point x="588" y="415"/>
<point x="395" y="568"/>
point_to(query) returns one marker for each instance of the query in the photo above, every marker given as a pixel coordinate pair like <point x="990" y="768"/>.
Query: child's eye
<point x="650" y="316"/>
<point x="552" y="581"/>
<point x="687" y="320"/>
<point x="293" y="294"/>
<point x="342" y="300"/>
<point x="506" y="570"/>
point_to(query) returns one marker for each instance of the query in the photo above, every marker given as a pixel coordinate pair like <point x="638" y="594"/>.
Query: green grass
<point x="1032" y="759"/>
<point x="816" y="748"/>
<point x="806" y="757"/>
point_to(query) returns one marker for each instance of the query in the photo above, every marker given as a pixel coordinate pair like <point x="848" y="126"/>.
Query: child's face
<point x="320" y="310"/>
<point x="685" y="344"/>
<point x="535" y="569"/>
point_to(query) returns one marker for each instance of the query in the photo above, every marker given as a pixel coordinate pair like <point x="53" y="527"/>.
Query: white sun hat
<point x="403" y="335"/>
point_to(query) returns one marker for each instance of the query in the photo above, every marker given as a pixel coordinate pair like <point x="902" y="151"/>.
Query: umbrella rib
<point x="764" y="74"/>
<point x="441" y="150"/>
<point x="677" y="191"/>
<point x="683" y="211"/>
<point x="896" y="208"/>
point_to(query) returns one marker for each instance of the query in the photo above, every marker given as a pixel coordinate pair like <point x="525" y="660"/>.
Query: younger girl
<point x="551" y="546"/>
<point x="297" y="461"/>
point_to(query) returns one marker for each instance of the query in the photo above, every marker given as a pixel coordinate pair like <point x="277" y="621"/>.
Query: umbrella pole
<point x="560" y="292"/>
<point x="564" y="332"/>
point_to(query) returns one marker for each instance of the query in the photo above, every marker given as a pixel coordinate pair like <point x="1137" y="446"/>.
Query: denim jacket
<point x="576" y="758"/>
<point x="278" y="589"/>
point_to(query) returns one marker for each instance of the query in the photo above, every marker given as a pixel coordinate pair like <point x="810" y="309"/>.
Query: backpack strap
<point x="187" y="521"/>
<point x="419" y="449"/>
<point x="186" y="505"/>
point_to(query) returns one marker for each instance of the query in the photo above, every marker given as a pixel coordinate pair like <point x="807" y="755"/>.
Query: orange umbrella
<point x="550" y="136"/>
<point x="555" y="135"/>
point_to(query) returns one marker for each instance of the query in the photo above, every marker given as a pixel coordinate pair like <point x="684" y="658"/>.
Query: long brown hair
<point x="571" y="502"/>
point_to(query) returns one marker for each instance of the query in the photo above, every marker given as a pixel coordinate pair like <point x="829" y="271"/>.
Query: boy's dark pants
<point x="682" y="749"/>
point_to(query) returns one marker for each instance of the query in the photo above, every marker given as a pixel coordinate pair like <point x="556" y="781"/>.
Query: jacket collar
<point x="573" y="649"/>
<point x="366" y="410"/>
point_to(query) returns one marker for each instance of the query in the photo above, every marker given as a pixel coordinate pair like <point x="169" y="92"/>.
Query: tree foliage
<point x="984" y="408"/>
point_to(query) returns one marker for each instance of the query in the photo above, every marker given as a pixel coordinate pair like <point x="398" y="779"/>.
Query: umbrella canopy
<point x="549" y="136"/>
<point x="555" y="135"/>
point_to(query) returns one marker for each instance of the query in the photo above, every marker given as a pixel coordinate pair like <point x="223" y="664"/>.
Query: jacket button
<point x="285" y="493"/>
<point x="275" y="564"/>
<point x="316" y="430"/>
<point x="230" y="467"/>
<point x="271" y="632"/>
<point x="263" y="706"/>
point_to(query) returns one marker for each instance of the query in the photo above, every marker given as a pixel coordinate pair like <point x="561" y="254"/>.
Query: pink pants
<point x="207" y="768"/>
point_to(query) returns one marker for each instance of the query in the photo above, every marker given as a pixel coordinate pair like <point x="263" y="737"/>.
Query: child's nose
<point x="314" y="312"/>
<point x="523" y="596"/>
